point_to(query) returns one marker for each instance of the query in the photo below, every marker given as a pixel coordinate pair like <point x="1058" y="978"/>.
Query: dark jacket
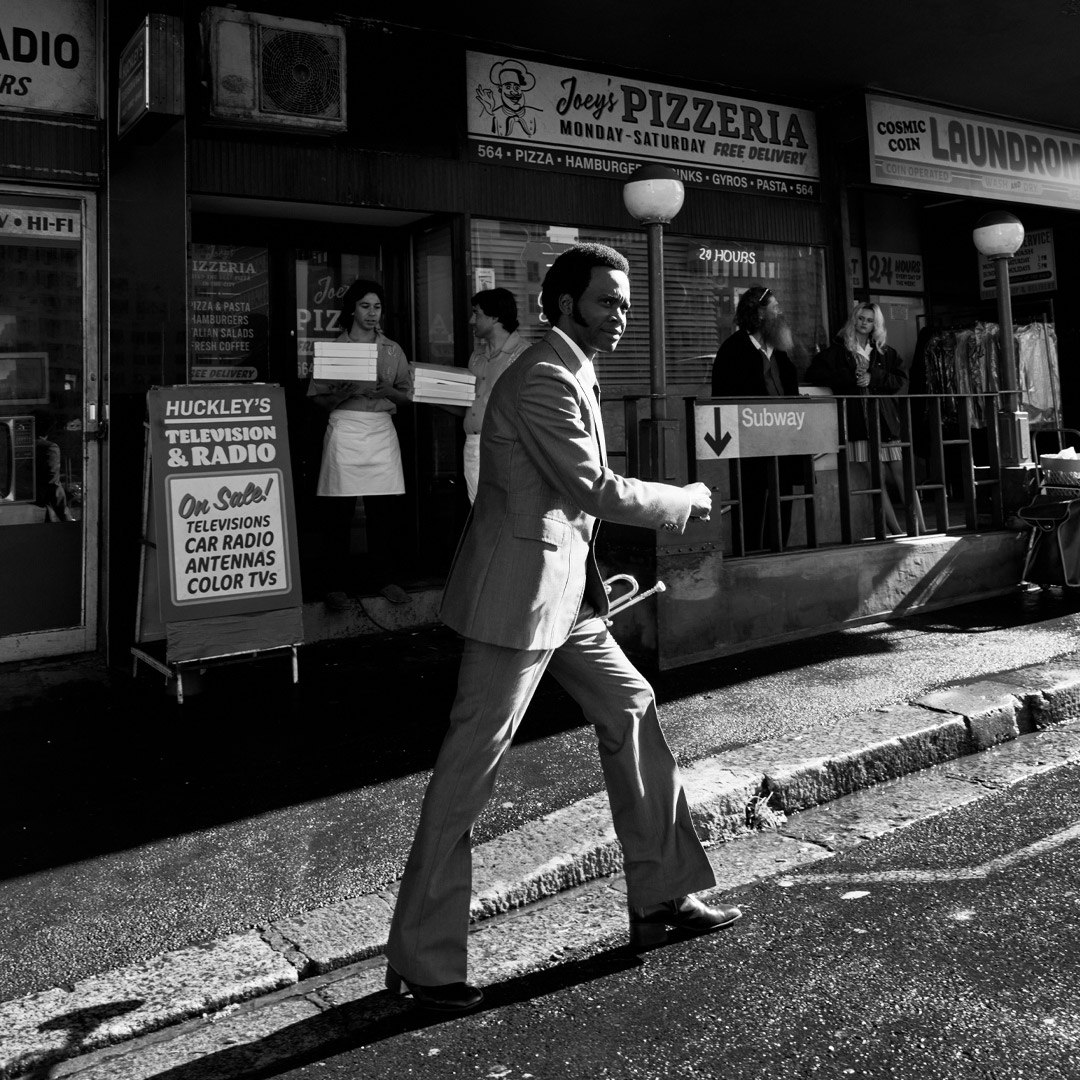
<point x="738" y="370"/>
<point x="835" y="368"/>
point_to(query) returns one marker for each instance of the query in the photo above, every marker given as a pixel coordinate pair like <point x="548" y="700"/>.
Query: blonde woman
<point x="859" y="362"/>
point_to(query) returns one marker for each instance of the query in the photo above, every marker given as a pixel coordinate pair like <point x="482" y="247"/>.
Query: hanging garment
<point x="1036" y="351"/>
<point x="941" y="375"/>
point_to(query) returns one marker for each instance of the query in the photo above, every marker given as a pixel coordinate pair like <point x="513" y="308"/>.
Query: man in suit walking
<point x="526" y="594"/>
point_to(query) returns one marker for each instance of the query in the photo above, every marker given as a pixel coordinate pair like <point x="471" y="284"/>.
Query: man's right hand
<point x="700" y="500"/>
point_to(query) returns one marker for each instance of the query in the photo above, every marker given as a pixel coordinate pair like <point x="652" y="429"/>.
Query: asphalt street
<point x="943" y="951"/>
<point x="133" y="826"/>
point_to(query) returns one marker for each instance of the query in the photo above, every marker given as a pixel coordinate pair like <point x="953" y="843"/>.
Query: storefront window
<point x="228" y="313"/>
<point x="703" y="280"/>
<point x="516" y="256"/>
<point x="434" y="296"/>
<point x="42" y="357"/>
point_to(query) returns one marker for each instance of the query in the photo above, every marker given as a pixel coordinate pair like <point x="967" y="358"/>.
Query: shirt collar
<point x="506" y="346"/>
<point x="766" y="350"/>
<point x="586" y="373"/>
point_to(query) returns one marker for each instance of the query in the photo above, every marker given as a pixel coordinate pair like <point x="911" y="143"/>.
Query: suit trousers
<point x="663" y="857"/>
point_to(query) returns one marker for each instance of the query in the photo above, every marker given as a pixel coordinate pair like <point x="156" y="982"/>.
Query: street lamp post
<point x="998" y="235"/>
<point x="653" y="196"/>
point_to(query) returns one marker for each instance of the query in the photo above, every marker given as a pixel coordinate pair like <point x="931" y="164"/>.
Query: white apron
<point x="361" y="455"/>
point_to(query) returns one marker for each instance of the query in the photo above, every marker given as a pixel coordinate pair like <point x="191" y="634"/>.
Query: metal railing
<point x="950" y="457"/>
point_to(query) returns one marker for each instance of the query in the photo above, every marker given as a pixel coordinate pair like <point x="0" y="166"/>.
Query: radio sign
<point x="765" y="427"/>
<point x="35" y="221"/>
<point x="48" y="56"/>
<point x="223" y="500"/>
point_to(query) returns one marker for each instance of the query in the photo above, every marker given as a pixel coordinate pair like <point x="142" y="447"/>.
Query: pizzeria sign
<point x="541" y="116"/>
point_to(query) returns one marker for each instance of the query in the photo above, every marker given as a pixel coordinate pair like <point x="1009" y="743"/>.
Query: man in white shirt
<point x="494" y="321"/>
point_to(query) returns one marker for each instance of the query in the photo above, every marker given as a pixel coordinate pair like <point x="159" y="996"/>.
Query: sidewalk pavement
<point x="189" y="997"/>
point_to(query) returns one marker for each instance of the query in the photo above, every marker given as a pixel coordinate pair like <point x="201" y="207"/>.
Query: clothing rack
<point x="1044" y="384"/>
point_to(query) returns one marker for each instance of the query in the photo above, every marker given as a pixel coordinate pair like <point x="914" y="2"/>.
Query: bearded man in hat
<point x="754" y="362"/>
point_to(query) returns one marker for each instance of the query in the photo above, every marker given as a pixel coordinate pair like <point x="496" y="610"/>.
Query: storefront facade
<point x="242" y="186"/>
<point x="52" y="398"/>
<point x="917" y="181"/>
<point x="434" y="199"/>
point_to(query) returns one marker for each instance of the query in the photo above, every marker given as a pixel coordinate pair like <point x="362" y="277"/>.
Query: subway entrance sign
<point x="727" y="428"/>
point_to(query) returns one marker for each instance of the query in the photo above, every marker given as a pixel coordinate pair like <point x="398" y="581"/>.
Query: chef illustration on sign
<point x="513" y="80"/>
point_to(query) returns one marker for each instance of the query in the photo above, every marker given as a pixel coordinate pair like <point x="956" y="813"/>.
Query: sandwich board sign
<point x="223" y="558"/>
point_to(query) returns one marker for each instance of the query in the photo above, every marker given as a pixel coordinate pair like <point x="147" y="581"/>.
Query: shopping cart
<point x="1053" y="551"/>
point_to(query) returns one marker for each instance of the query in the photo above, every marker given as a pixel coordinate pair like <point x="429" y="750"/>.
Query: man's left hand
<point x="700" y="500"/>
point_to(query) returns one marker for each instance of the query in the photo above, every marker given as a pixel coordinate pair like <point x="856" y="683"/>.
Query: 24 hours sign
<point x="222" y="492"/>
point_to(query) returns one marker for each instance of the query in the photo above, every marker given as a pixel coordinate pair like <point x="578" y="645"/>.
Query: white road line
<point x="961" y="873"/>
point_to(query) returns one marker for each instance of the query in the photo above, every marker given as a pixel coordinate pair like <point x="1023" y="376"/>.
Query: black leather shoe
<point x="451" y="997"/>
<point x="649" y="926"/>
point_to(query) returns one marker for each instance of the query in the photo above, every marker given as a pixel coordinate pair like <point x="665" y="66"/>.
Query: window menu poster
<point x="223" y="501"/>
<point x="229" y="313"/>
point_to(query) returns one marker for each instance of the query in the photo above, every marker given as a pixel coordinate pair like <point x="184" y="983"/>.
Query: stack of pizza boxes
<point x="443" y="384"/>
<point x="346" y="361"/>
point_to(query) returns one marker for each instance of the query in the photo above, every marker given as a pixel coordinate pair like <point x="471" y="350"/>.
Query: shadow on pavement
<point x="1000" y="613"/>
<point x="378" y="1017"/>
<point x="79" y="1023"/>
<point x="98" y="766"/>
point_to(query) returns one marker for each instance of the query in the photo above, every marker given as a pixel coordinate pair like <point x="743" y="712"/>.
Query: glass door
<point x="49" y="424"/>
<point x="443" y="336"/>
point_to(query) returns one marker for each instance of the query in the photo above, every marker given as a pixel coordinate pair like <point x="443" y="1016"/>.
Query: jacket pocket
<point x="544" y="529"/>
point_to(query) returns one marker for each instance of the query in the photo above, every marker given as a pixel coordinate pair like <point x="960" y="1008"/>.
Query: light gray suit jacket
<point x="525" y="560"/>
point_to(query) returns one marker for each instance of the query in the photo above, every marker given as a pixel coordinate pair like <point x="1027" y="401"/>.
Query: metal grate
<point x="300" y="73"/>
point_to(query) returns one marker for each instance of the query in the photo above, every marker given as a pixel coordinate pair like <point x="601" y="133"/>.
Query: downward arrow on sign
<point x="717" y="442"/>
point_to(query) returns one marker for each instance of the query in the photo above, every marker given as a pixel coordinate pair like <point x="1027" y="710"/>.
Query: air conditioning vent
<point x="301" y="73"/>
<point x="275" y="71"/>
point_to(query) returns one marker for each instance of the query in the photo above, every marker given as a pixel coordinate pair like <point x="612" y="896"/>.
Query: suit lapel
<point x="598" y="416"/>
<point x="590" y="391"/>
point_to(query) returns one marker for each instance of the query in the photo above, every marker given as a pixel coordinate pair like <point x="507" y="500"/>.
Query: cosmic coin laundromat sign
<point x="222" y="493"/>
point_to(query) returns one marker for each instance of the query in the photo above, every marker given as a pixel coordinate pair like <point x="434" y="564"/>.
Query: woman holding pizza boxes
<point x="361" y="455"/>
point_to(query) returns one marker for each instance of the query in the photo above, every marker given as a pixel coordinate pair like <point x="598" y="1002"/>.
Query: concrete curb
<point x="725" y="792"/>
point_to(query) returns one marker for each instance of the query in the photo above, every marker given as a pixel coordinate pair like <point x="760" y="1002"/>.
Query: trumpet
<point x="631" y="596"/>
